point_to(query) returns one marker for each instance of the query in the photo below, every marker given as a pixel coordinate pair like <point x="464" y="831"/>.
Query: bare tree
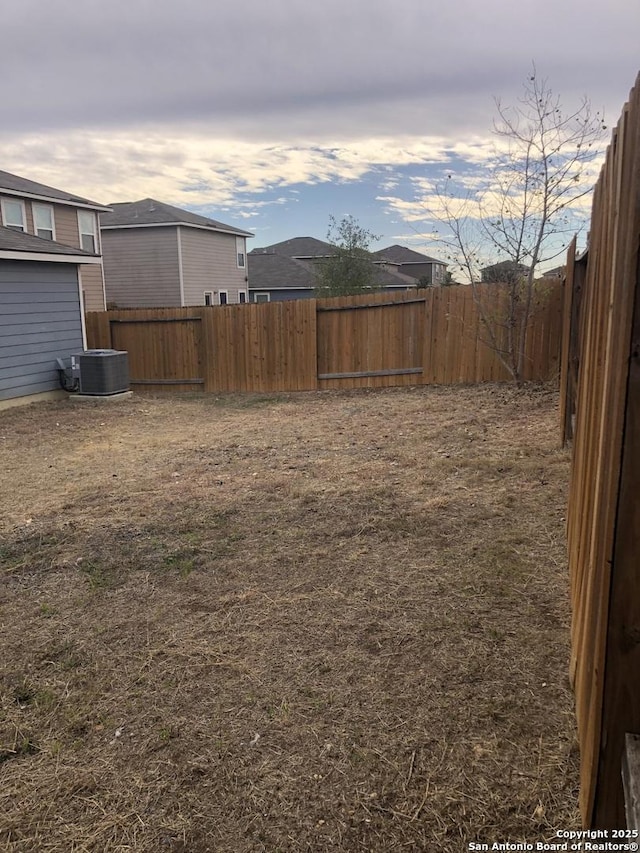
<point x="521" y="212"/>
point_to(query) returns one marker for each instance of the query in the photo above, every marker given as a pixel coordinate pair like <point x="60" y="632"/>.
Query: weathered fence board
<point x="601" y="384"/>
<point x="375" y="340"/>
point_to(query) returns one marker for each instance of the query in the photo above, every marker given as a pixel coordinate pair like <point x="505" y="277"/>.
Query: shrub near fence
<point x="431" y="336"/>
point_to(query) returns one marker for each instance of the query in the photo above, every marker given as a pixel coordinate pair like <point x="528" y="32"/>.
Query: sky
<point x="275" y="115"/>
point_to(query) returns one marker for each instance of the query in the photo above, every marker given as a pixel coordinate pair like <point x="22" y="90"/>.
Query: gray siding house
<point x="411" y="263"/>
<point x="41" y="318"/>
<point x="160" y="256"/>
<point x="275" y="278"/>
<point x="505" y="271"/>
<point x="51" y="214"/>
<point x="288" y="270"/>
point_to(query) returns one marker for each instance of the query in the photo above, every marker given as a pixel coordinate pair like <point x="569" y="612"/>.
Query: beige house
<point x="160" y="256"/>
<point x="63" y="218"/>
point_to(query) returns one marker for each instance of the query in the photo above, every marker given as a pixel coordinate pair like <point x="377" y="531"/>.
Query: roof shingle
<point x="148" y="211"/>
<point x="22" y="186"/>
<point x="397" y="254"/>
<point x="17" y="241"/>
<point x="299" y="247"/>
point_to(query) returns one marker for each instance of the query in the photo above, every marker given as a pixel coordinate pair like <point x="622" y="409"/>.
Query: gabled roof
<point x="391" y="278"/>
<point x="397" y="254"/>
<point x="22" y="187"/>
<point x="16" y="245"/>
<point x="148" y="211"/>
<point x="506" y="266"/>
<point x="272" y="271"/>
<point x="269" y="271"/>
<point x="299" y="247"/>
<point x="556" y="272"/>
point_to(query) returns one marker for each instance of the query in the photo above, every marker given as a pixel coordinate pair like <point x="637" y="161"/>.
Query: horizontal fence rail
<point x="374" y="340"/>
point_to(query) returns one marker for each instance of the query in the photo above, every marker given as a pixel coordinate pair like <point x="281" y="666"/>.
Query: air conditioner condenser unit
<point x="101" y="372"/>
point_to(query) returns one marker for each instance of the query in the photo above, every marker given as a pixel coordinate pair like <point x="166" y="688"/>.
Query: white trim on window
<point x="222" y="293"/>
<point x="241" y="253"/>
<point x="84" y="230"/>
<point x="6" y="219"/>
<point x="262" y="297"/>
<point x="47" y="210"/>
<point x="208" y="297"/>
<point x="242" y="297"/>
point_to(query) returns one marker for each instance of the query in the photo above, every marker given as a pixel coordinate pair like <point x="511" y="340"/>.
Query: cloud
<point x="255" y="70"/>
<point x="234" y="106"/>
<point x="190" y="166"/>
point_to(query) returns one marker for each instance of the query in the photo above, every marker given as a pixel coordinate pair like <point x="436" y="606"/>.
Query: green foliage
<point x="350" y="269"/>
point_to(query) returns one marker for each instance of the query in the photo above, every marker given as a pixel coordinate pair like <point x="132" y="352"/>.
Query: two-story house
<point x="504" y="272"/>
<point x="421" y="267"/>
<point x="49" y="266"/>
<point x="289" y="270"/>
<point x="59" y="216"/>
<point x="160" y="256"/>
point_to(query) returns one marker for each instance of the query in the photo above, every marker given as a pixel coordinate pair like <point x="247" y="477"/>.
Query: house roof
<point x="148" y="211"/>
<point x="556" y="272"/>
<point x="16" y="245"/>
<point x="272" y="271"/>
<point x="506" y="266"/>
<point x="397" y="254"/>
<point x="392" y="278"/>
<point x="299" y="247"/>
<point x="15" y="185"/>
<point x="269" y="271"/>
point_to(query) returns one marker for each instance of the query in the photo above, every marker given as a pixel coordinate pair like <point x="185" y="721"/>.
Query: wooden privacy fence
<point x="431" y="336"/>
<point x="600" y="388"/>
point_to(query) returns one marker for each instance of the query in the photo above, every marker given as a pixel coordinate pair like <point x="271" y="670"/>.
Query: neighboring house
<point x="301" y="248"/>
<point x="411" y="263"/>
<point x="505" y="271"/>
<point x="289" y="270"/>
<point x="556" y="272"/>
<point x="51" y="214"/>
<point x="41" y="317"/>
<point x="274" y="278"/>
<point x="160" y="256"/>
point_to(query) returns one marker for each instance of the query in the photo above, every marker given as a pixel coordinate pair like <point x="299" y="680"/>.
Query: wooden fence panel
<point x="261" y="348"/>
<point x="376" y="340"/>
<point x="165" y="349"/>
<point x="98" y="330"/>
<point x="603" y="520"/>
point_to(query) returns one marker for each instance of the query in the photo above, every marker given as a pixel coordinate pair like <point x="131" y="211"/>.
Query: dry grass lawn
<point x="298" y="623"/>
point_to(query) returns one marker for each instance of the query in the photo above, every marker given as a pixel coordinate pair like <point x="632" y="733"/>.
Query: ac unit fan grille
<point x="103" y="372"/>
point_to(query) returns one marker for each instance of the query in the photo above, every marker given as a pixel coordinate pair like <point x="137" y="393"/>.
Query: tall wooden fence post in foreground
<point x="603" y="519"/>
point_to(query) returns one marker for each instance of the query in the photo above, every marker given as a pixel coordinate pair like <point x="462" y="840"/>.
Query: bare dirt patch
<point x="292" y="623"/>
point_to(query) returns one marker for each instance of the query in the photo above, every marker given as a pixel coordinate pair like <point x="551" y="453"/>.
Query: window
<point x="13" y="215"/>
<point x="240" y="252"/>
<point x="223" y="297"/>
<point x="88" y="231"/>
<point x="208" y="297"/>
<point x="43" y="221"/>
<point x="242" y="296"/>
<point x="262" y="297"/>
